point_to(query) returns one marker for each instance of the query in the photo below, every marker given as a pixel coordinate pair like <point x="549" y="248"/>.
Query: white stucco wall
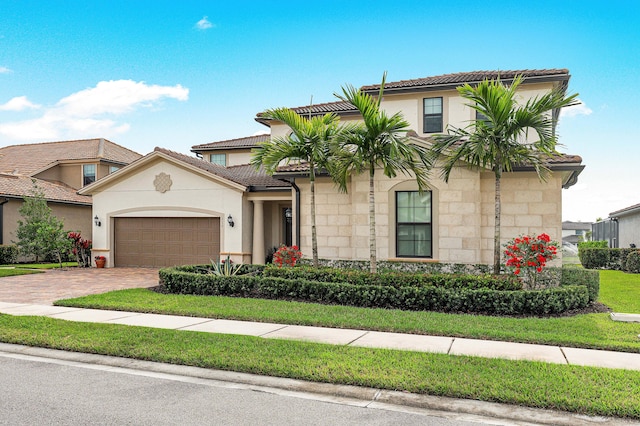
<point x="190" y="195"/>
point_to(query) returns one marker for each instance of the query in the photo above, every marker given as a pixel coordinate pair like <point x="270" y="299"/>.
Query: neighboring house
<point x="621" y="228"/>
<point x="166" y="195"/>
<point x="574" y="232"/>
<point x="59" y="169"/>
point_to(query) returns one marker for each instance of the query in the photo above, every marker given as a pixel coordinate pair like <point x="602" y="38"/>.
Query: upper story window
<point x="88" y="174"/>
<point x="414" y="237"/>
<point x="113" y="169"/>
<point x="220" y="159"/>
<point x="432" y="115"/>
<point x="480" y="116"/>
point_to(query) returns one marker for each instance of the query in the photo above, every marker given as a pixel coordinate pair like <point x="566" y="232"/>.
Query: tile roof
<point x="626" y="210"/>
<point x="453" y="80"/>
<point x="239" y="143"/>
<point x="469" y="77"/>
<point x="21" y="186"/>
<point x="28" y="159"/>
<point x="245" y="175"/>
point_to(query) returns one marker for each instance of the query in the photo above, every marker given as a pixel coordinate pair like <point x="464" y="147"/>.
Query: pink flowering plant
<point x="527" y="256"/>
<point x="287" y="256"/>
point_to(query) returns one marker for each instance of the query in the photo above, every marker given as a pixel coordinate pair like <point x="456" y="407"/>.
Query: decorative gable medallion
<point x="162" y="182"/>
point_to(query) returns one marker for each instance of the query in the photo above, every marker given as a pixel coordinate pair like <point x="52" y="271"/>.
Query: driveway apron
<point x="52" y="285"/>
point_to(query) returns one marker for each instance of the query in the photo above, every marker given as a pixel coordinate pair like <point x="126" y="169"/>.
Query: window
<point x="413" y="224"/>
<point x="113" y="169"/>
<point x="219" y="159"/>
<point x="480" y="116"/>
<point x="88" y="174"/>
<point x="432" y="115"/>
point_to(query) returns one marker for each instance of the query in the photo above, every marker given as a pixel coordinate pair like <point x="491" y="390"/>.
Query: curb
<point x="355" y="395"/>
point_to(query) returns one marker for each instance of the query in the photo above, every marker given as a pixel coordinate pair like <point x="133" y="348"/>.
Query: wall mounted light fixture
<point x="288" y="214"/>
<point x="96" y="220"/>
<point x="230" y="221"/>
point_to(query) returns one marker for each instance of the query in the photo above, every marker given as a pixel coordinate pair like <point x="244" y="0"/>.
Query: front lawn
<point x="620" y="291"/>
<point x="10" y="272"/>
<point x="595" y="331"/>
<point x="43" y="265"/>
<point x="593" y="391"/>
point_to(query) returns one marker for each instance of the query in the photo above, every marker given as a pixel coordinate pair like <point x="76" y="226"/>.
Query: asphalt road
<point x="40" y="391"/>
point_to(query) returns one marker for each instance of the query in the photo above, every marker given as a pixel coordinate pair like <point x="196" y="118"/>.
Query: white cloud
<point x="572" y="111"/>
<point x="18" y="103"/>
<point x="5" y="70"/>
<point x="261" y="132"/>
<point x="90" y="112"/>
<point x="204" y="23"/>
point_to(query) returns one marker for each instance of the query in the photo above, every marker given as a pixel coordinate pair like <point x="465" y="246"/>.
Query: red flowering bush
<point x="287" y="256"/>
<point x="527" y="256"/>
<point x="81" y="248"/>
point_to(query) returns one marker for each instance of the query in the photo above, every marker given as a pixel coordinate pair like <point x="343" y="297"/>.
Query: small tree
<point x="40" y="233"/>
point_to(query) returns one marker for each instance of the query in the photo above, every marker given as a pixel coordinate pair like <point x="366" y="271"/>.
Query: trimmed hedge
<point x="582" y="277"/>
<point x="480" y="301"/>
<point x="605" y="258"/>
<point x="395" y="279"/>
<point x="8" y="254"/>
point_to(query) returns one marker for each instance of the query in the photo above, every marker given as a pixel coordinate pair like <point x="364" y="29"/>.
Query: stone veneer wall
<point x="462" y="215"/>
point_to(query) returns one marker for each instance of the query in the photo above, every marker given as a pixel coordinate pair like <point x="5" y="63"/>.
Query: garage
<point x="166" y="241"/>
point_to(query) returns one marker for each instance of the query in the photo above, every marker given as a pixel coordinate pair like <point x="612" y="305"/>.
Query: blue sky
<point x="176" y="74"/>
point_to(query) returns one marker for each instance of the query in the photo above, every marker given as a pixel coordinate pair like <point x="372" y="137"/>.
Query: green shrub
<point x="389" y="265"/>
<point x="8" y="254"/>
<point x="452" y="299"/>
<point x="633" y="262"/>
<point x="582" y="277"/>
<point x="396" y="279"/>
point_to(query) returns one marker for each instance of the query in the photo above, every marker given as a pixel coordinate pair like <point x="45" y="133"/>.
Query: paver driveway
<point x="45" y="288"/>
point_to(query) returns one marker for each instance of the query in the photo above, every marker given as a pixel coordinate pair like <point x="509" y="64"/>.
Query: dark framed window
<point x="414" y="233"/>
<point x="88" y="174"/>
<point x="480" y="116"/>
<point x="219" y="159"/>
<point x="432" y="115"/>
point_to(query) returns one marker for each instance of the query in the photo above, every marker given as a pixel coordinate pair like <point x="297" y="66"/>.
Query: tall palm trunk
<point x="314" y="235"/>
<point x="496" y="234"/>
<point x="372" y="222"/>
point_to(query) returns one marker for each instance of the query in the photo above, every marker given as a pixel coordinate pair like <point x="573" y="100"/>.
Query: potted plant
<point x="100" y="261"/>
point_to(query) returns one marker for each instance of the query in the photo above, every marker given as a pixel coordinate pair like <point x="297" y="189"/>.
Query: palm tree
<point x="500" y="140"/>
<point x="379" y="141"/>
<point x="308" y="142"/>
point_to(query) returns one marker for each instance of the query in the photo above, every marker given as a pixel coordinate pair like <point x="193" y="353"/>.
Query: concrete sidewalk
<point x="362" y="338"/>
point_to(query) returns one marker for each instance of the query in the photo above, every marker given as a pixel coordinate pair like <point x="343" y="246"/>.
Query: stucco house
<point x="574" y="232"/>
<point x="167" y="196"/>
<point x="59" y="169"/>
<point x="621" y="228"/>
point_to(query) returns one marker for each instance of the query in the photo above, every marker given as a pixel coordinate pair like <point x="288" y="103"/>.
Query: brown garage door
<point x="166" y="241"/>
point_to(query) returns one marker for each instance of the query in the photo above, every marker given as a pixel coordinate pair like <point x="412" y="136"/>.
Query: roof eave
<point x="574" y="170"/>
<point x="563" y="78"/>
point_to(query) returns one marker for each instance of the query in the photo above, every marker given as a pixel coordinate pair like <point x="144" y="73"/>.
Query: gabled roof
<point x="239" y="143"/>
<point x="28" y="159"/>
<point x="245" y="175"/>
<point x="13" y="186"/>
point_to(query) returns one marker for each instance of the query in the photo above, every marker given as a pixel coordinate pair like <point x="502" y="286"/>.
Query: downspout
<point x="2" y="203"/>
<point x="292" y="181"/>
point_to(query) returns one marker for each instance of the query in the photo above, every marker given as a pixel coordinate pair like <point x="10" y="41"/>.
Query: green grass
<point x="585" y="390"/>
<point x="43" y="265"/>
<point x="620" y="291"/>
<point x="13" y="272"/>
<point x="595" y="331"/>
